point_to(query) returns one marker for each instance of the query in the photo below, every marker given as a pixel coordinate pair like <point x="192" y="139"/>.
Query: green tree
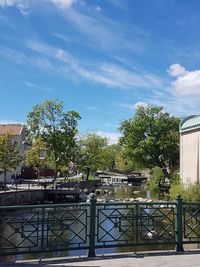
<point x="109" y="156"/>
<point x="10" y="156"/>
<point x="92" y="151"/>
<point x="56" y="128"/>
<point x="122" y="162"/>
<point x="150" y="134"/>
<point x="35" y="156"/>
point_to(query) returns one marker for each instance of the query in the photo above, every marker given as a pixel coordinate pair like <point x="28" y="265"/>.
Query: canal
<point x="105" y="194"/>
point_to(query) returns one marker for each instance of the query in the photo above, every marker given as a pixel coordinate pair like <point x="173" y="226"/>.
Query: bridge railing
<point x="89" y="226"/>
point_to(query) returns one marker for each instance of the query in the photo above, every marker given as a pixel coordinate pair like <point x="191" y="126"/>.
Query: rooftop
<point x="13" y="129"/>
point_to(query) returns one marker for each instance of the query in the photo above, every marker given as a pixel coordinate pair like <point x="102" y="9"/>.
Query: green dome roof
<point x="190" y="123"/>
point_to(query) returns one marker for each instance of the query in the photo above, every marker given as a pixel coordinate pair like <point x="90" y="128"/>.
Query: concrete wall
<point x="190" y="157"/>
<point x="19" y="197"/>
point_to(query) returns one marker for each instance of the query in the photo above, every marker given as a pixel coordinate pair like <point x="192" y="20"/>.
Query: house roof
<point x="190" y="123"/>
<point x="13" y="129"/>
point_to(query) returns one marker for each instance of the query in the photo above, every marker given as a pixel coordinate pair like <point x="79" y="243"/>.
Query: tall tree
<point x="56" y="128"/>
<point x="92" y="151"/>
<point x="10" y="156"/>
<point x="35" y="156"/>
<point x="150" y="134"/>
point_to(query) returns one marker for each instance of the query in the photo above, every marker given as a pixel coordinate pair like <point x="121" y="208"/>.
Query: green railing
<point x="60" y="227"/>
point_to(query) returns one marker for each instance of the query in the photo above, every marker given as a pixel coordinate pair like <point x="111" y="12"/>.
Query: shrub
<point x="156" y="176"/>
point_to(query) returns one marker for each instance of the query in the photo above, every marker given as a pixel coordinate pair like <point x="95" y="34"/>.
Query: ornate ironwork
<point x="191" y="222"/>
<point x="135" y="224"/>
<point x="115" y="224"/>
<point x="157" y="223"/>
<point x="43" y="228"/>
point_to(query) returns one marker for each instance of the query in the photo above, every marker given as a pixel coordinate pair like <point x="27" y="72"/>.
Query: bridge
<point x="29" y="229"/>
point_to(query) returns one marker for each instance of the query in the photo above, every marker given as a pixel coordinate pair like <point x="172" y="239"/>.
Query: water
<point x="107" y="193"/>
<point x="122" y="192"/>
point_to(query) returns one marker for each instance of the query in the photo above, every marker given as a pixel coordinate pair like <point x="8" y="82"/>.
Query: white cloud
<point x="18" y="57"/>
<point x="107" y="34"/>
<point x="108" y="74"/>
<point x="140" y="104"/>
<point x="2" y="121"/>
<point x="63" y="3"/>
<point x="37" y="86"/>
<point x="113" y="137"/>
<point x="176" y="70"/>
<point x="98" y="8"/>
<point x="24" y="6"/>
<point x="21" y="5"/>
<point x="187" y="83"/>
<point x="118" y="3"/>
<point x="126" y="106"/>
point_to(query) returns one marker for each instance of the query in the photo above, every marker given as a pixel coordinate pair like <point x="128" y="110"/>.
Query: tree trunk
<point x="163" y="166"/>
<point x="5" y="179"/>
<point x="87" y="173"/>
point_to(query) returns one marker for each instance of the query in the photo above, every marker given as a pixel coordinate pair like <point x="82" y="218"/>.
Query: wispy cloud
<point x="18" y="57"/>
<point x="63" y="4"/>
<point x="4" y="121"/>
<point x="21" y="5"/>
<point x="105" y="73"/>
<point x="126" y="106"/>
<point x="113" y="137"/>
<point x="118" y="3"/>
<point x="38" y="87"/>
<point x="105" y="33"/>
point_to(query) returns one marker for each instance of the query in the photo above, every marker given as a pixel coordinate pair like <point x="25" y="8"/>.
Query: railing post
<point x="179" y="224"/>
<point x="91" y="252"/>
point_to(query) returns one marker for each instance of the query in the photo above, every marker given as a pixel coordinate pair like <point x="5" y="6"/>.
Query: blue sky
<point x="102" y="58"/>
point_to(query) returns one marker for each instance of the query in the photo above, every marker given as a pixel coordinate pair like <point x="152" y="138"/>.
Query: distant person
<point x="58" y="174"/>
<point x="17" y="179"/>
<point x="13" y="178"/>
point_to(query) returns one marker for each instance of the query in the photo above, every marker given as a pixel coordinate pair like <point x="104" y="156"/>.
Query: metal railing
<point x="60" y="227"/>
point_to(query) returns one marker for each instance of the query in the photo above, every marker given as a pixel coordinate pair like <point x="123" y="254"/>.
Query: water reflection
<point x="122" y="192"/>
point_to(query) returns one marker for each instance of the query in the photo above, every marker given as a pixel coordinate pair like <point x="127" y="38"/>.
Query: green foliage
<point x="156" y="176"/>
<point x="10" y="156"/>
<point x="122" y="162"/>
<point x="56" y="128"/>
<point x="35" y="156"/>
<point x="92" y="151"/>
<point x="149" y="134"/>
<point x="191" y="193"/>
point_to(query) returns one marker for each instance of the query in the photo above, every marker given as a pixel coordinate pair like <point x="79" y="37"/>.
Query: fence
<point x="60" y="227"/>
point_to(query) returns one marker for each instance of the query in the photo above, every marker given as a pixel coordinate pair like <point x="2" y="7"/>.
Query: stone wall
<point x="22" y="197"/>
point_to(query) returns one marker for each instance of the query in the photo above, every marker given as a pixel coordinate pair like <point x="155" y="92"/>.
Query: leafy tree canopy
<point x="92" y="151"/>
<point x="56" y="128"/>
<point x="10" y="156"/>
<point x="35" y="156"/>
<point x="151" y="133"/>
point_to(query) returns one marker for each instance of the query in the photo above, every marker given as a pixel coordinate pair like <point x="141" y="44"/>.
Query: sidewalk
<point x="141" y="259"/>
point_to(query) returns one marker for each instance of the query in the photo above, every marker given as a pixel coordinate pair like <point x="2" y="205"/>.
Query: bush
<point x="189" y="193"/>
<point x="156" y="176"/>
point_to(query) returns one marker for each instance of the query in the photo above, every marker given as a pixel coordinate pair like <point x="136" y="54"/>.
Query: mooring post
<point x="91" y="252"/>
<point x="179" y="224"/>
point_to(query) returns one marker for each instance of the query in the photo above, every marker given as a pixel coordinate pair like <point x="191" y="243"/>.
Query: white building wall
<point x="190" y="157"/>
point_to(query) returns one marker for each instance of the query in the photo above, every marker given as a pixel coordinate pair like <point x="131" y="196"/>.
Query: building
<point x="17" y="131"/>
<point x="190" y="150"/>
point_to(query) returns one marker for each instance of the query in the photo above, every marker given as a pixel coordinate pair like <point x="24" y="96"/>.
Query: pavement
<point x="139" y="259"/>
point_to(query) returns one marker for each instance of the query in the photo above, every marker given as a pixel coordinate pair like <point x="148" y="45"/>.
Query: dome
<point x="190" y="123"/>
